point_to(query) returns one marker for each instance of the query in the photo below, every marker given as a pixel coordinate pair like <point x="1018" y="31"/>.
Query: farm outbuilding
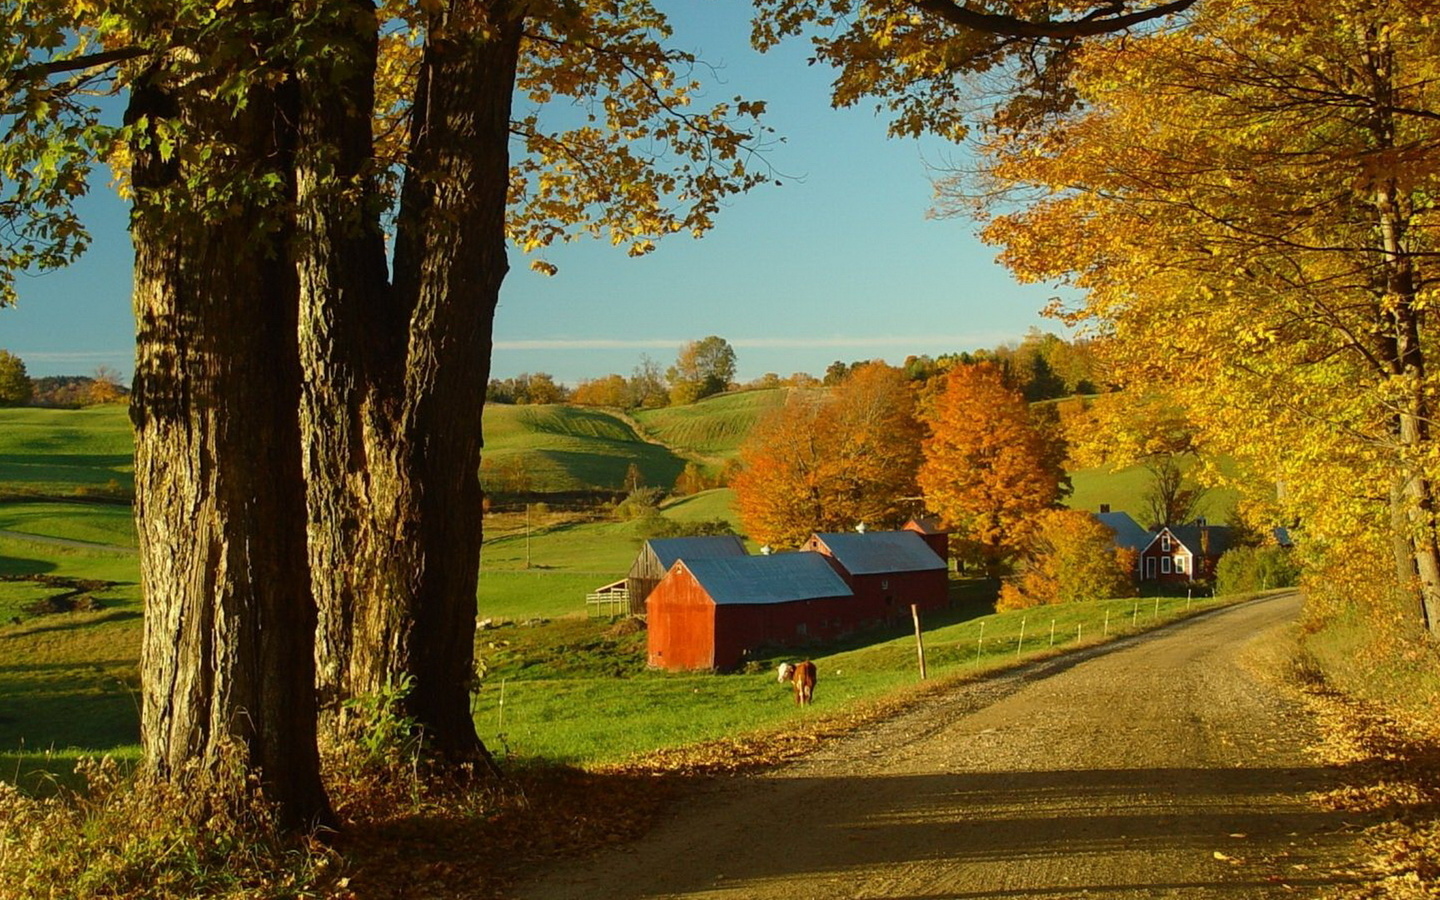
<point x="658" y="555"/>
<point x="937" y="537"/>
<point x="709" y="613"/>
<point x="887" y="571"/>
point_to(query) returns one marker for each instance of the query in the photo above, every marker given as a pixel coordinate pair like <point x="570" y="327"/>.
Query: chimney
<point x="1104" y="508"/>
<point x="860" y="528"/>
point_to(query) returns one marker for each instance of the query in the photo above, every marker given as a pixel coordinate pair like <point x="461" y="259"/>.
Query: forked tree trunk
<point x="400" y="378"/>
<point x="229" y="617"/>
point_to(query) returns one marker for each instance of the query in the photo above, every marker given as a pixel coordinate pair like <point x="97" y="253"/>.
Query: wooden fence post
<point x="919" y="641"/>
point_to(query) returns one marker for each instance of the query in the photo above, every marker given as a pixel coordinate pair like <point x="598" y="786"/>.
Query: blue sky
<point x="841" y="262"/>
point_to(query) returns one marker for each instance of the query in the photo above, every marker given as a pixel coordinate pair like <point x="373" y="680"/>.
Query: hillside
<point x="714" y="427"/>
<point x="64" y="452"/>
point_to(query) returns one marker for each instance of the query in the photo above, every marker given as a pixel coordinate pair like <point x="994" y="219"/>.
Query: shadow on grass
<point x="43" y="624"/>
<point x="12" y="565"/>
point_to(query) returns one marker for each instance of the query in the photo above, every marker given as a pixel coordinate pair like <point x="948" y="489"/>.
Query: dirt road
<point x="1158" y="767"/>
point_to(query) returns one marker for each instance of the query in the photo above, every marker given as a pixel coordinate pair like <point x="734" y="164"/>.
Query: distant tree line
<point x="17" y="388"/>
<point x="1042" y="366"/>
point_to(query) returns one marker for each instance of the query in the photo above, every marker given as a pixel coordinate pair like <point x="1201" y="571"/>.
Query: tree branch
<point x="1098" y="22"/>
<point x="75" y="63"/>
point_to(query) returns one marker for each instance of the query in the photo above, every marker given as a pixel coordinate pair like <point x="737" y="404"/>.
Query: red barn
<point x="709" y="613"/>
<point x="887" y="570"/>
<point x="659" y="554"/>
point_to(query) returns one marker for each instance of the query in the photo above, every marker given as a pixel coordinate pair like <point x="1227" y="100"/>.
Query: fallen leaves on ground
<point x="1392" y="772"/>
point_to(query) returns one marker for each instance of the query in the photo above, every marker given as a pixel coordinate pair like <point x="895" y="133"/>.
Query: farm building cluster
<point x="710" y="604"/>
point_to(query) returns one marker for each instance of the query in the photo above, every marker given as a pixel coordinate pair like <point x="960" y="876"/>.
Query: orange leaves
<point x="829" y="462"/>
<point x="988" y="465"/>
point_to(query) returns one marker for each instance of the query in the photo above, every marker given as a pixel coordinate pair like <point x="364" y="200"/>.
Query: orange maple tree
<point x="827" y="461"/>
<point x="989" y="465"/>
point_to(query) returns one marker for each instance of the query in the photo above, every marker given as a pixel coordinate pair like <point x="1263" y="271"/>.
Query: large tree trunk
<point x="1400" y="311"/>
<point x="229" y="617"/>
<point x="400" y="471"/>
<point x="352" y="347"/>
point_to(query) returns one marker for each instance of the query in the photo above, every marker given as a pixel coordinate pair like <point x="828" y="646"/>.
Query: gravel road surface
<point x="1164" y="765"/>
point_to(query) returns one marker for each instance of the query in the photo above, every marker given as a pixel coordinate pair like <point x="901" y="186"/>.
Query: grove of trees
<point x="1245" y="197"/>
<point x="831" y="460"/>
<point x="314" y="396"/>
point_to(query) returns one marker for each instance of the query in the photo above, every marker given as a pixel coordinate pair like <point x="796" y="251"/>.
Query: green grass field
<point x="714" y="427"/>
<point x="64" y="451"/>
<point x="68" y="680"/>
<point x="566" y="448"/>
<point x="1124" y="491"/>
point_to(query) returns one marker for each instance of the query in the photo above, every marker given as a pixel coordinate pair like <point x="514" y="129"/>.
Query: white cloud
<point x="952" y="341"/>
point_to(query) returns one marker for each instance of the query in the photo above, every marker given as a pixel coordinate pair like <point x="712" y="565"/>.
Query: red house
<point x="887" y="570"/>
<point x="1181" y="553"/>
<point x="709" y="613"/>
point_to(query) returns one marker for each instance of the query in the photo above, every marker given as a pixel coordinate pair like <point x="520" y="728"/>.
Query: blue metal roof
<point x="879" y="552"/>
<point x="778" y="578"/>
<point x="1128" y="532"/>
<point x="667" y="550"/>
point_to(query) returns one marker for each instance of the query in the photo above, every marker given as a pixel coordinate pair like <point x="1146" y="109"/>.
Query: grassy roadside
<point x="574" y="693"/>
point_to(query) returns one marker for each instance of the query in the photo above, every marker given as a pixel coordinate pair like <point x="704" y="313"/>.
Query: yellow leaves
<point x="644" y="162"/>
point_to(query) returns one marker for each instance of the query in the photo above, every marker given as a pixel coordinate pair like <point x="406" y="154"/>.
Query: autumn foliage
<point x="989" y="465"/>
<point x="827" y="461"/>
<point x="1069" y="556"/>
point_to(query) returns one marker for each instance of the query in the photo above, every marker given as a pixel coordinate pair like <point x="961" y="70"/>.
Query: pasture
<point x="715" y="427"/>
<point x="573" y="690"/>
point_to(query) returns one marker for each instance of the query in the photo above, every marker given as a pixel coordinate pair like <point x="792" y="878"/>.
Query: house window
<point x="1164" y="543"/>
<point x="1164" y="565"/>
<point x="1180" y="564"/>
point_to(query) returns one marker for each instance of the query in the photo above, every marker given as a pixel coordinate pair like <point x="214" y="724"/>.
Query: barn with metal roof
<point x="889" y="571"/>
<point x="656" y="557"/>
<point x="710" y="613"/>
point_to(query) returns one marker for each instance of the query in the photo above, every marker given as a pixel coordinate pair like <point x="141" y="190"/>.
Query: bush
<point x="640" y="503"/>
<point x="1244" y="570"/>
<point x="657" y="526"/>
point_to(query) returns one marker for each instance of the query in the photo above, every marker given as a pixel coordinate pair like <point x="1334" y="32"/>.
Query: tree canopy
<point x="828" y="461"/>
<point x="16" y="388"/>
<point x="989" y="465"/>
<point x="702" y="368"/>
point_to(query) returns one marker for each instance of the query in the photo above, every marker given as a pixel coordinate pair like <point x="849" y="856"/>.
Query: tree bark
<point x="229" y="617"/>
<point x="396" y="391"/>
<point x="1400" y="327"/>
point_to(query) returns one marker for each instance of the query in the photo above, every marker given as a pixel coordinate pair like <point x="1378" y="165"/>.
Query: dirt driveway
<point x="1160" y="766"/>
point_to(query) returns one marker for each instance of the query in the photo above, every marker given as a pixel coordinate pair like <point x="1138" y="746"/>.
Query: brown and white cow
<point x="802" y="677"/>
